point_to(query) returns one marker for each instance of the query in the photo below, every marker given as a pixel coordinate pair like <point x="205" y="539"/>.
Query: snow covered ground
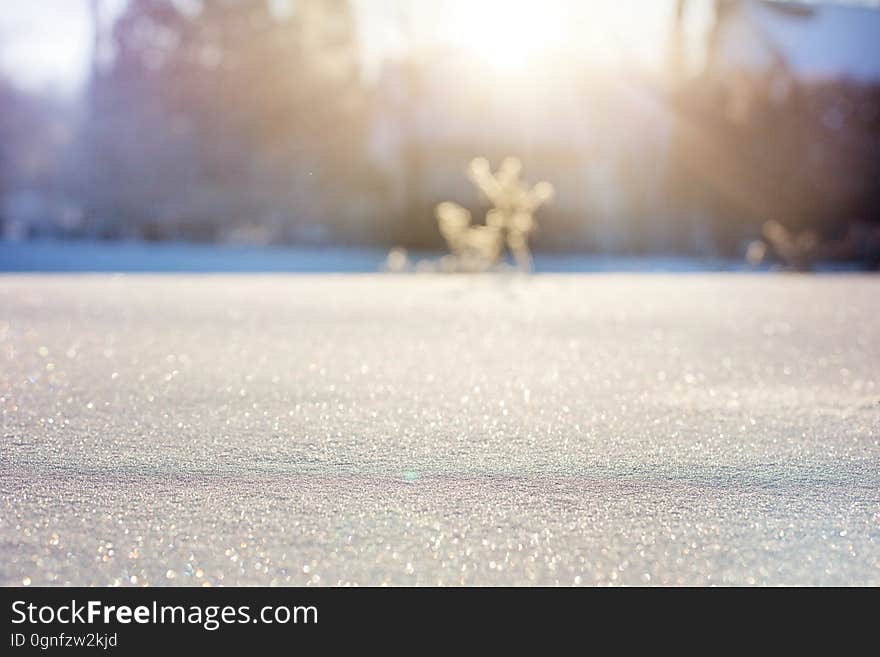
<point x="59" y="256"/>
<point x="333" y="429"/>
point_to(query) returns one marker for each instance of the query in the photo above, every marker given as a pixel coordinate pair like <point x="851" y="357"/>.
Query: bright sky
<point x="508" y="32"/>
<point x="46" y="43"/>
<point x="43" y="42"/>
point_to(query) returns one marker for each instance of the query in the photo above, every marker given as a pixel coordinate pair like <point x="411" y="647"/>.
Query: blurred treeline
<point x="809" y="161"/>
<point x="252" y="121"/>
<point x="234" y="118"/>
<point x="236" y="121"/>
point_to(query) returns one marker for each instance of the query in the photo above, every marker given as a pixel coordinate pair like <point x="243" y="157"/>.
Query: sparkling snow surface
<point x="285" y="429"/>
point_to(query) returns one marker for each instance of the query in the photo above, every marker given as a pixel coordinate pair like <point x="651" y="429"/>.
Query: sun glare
<point x="505" y="33"/>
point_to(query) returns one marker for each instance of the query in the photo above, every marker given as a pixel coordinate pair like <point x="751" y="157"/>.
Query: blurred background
<point x="728" y="130"/>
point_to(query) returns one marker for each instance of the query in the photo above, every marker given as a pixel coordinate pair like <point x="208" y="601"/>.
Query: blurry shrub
<point x="510" y="221"/>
